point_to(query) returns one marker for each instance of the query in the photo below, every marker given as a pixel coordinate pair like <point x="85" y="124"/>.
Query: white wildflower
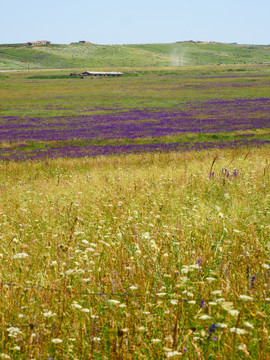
<point x="266" y="266"/>
<point x="79" y="233"/>
<point x="80" y="271"/>
<point x="122" y="305"/>
<point x="221" y="325"/>
<point x="49" y="314"/>
<point x="17" y="348"/>
<point x="233" y="312"/>
<point x="70" y="271"/>
<point x="96" y="339"/>
<point x="192" y="302"/>
<point x="242" y="347"/>
<point x="195" y="266"/>
<point x="204" y="317"/>
<point x="185" y="270"/>
<point x="248" y="324"/>
<point x="84" y="241"/>
<point x="76" y="306"/>
<point x="141" y="328"/>
<point x="85" y="310"/>
<point x="173" y="353"/>
<point x="132" y="287"/>
<point x="5" y="356"/>
<point x="146" y="236"/>
<point x="57" y="341"/>
<point x="114" y="302"/>
<point x="238" y="331"/>
<point x="216" y="292"/>
<point x="13" y="331"/>
<point x="183" y="279"/>
<point x="210" y="279"/>
<point x="155" y="341"/>
<point x="20" y="256"/>
<point x="246" y="298"/>
<point x="219" y="300"/>
<point x="174" y="302"/>
<point x="161" y="294"/>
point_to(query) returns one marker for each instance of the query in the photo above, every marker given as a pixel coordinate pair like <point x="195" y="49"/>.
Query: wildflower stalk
<point x="213" y="162"/>
<point x="234" y="335"/>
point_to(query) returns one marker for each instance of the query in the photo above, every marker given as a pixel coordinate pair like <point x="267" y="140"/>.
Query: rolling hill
<point x="20" y="57"/>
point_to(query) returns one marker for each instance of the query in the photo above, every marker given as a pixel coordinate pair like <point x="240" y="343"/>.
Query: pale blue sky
<point x="130" y="22"/>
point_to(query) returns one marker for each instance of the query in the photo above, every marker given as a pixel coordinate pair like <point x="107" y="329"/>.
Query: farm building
<point x="101" y="73"/>
<point x="84" y="42"/>
<point x="38" y="43"/>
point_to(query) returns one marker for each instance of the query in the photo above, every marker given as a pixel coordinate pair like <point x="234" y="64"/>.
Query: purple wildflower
<point x="111" y="131"/>
<point x="252" y="280"/>
<point x="212" y="329"/>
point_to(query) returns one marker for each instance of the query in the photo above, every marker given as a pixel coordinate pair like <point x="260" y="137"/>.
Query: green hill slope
<point x="16" y="56"/>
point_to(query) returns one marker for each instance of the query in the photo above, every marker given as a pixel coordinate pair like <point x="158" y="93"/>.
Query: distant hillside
<point x="18" y="56"/>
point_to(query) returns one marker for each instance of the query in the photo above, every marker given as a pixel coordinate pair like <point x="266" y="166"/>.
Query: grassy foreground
<point x="148" y="256"/>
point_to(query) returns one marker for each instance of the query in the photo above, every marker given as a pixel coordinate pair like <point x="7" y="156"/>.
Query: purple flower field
<point x="215" y="116"/>
<point x="98" y="150"/>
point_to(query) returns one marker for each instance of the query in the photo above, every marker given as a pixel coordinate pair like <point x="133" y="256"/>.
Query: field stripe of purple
<point x="211" y="117"/>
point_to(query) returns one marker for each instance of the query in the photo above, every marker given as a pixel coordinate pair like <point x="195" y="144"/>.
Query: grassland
<point x="155" y="255"/>
<point x="48" y="115"/>
<point x="136" y="257"/>
<point x="145" y="55"/>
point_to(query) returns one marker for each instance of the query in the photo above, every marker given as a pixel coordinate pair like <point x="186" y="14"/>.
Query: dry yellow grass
<point x="136" y="257"/>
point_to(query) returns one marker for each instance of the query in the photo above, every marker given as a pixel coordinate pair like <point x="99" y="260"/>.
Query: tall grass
<point x="148" y="256"/>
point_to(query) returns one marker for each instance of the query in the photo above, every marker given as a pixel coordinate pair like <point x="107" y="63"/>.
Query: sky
<point x="135" y="22"/>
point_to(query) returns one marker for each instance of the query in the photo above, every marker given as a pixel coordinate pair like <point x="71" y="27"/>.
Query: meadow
<point x="147" y="256"/>
<point x="134" y="214"/>
<point x="170" y="109"/>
